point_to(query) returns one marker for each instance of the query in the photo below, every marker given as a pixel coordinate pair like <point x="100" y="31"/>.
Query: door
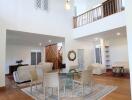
<point x="52" y="55"/>
<point x="80" y="54"/>
<point x="98" y="55"/>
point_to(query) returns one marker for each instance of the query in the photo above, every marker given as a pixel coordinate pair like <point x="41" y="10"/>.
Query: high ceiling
<point x="24" y="38"/>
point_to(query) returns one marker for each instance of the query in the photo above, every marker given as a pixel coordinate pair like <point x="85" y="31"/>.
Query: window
<point x="42" y="4"/>
<point x="35" y="57"/>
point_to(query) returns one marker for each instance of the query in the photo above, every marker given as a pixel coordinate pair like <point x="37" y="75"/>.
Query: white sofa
<point x="23" y="75"/>
<point x="98" y="69"/>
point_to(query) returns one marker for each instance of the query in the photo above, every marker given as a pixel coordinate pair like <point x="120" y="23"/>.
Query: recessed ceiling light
<point x="50" y="41"/>
<point x="96" y="39"/>
<point x="40" y="44"/>
<point x="118" y="34"/>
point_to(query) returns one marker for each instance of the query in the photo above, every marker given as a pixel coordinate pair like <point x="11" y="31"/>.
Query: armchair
<point x="98" y="69"/>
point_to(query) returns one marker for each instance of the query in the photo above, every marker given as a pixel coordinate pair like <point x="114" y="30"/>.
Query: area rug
<point x="97" y="93"/>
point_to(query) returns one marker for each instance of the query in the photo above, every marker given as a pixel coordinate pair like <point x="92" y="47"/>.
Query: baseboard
<point x="8" y="74"/>
<point x="108" y="70"/>
<point x="3" y="88"/>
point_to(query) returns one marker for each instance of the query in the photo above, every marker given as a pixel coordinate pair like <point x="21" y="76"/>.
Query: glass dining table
<point x="67" y="81"/>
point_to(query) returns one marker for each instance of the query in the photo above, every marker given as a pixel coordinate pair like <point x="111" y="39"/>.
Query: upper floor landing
<point x="106" y="16"/>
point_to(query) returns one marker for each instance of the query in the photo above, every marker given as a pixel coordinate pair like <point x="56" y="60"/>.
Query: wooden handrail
<point x="107" y="8"/>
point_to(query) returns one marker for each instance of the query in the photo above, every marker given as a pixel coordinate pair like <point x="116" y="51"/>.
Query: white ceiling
<point x="24" y="38"/>
<point x="107" y="35"/>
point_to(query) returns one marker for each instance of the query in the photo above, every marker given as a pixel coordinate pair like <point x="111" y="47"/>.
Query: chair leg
<point x="31" y="88"/>
<point x="52" y="91"/>
<point x="42" y="84"/>
<point x="82" y="90"/>
<point x="64" y="90"/>
<point x="44" y="93"/>
<point x="72" y="88"/>
<point x="58" y="93"/>
<point x="36" y="85"/>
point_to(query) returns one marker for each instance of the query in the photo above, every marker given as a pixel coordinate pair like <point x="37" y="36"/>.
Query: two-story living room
<point x="65" y="49"/>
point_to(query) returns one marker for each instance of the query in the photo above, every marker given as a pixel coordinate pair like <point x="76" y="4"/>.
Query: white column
<point x="2" y="55"/>
<point x="129" y="35"/>
<point x="102" y="51"/>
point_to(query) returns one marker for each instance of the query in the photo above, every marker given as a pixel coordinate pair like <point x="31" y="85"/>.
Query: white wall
<point x="129" y="36"/>
<point x="21" y="15"/>
<point x="2" y="55"/>
<point x="118" y="50"/>
<point x="17" y="52"/>
<point x="71" y="44"/>
<point x="108" y="23"/>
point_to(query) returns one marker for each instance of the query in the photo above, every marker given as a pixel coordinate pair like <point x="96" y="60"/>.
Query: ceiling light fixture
<point x="118" y="34"/>
<point x="96" y="39"/>
<point x="68" y="5"/>
<point x="50" y="41"/>
<point x="40" y="44"/>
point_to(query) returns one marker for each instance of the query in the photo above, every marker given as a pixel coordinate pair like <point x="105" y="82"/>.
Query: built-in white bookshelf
<point x="107" y="57"/>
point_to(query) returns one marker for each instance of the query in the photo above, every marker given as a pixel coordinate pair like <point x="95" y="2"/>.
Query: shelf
<point x="107" y="60"/>
<point x="107" y="65"/>
<point x="107" y="46"/>
<point x="107" y="56"/>
<point x="106" y="51"/>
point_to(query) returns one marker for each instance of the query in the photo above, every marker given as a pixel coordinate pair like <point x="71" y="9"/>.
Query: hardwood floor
<point x="123" y="90"/>
<point x="13" y="94"/>
<point x="121" y="93"/>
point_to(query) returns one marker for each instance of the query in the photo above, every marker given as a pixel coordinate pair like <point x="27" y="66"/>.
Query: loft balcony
<point x="107" y="8"/>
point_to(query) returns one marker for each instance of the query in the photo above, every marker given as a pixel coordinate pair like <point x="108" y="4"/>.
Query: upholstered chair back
<point x="51" y="80"/>
<point x="86" y="77"/>
<point x="33" y="74"/>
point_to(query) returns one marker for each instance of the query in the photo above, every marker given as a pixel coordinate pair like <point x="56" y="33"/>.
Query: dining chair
<point x="85" y="79"/>
<point x="68" y="82"/>
<point x="51" y="80"/>
<point x="35" y="79"/>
